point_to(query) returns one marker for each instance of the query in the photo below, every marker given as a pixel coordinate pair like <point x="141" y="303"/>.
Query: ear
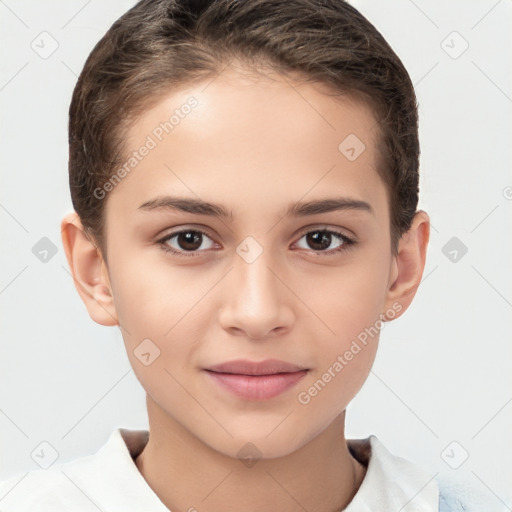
<point x="408" y="264"/>
<point x="89" y="271"/>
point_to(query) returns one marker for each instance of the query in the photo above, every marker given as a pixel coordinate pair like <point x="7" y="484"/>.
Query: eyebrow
<point x="200" y="207"/>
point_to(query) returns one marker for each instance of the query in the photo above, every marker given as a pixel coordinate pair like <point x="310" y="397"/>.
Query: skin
<point x="256" y="145"/>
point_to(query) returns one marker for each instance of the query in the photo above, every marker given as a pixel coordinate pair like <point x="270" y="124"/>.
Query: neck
<point x="188" y="475"/>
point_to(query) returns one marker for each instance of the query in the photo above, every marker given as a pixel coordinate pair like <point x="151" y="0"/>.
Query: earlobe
<point x="89" y="271"/>
<point x="409" y="264"/>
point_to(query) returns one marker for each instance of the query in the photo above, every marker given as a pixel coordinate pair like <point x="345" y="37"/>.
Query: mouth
<point x="253" y="380"/>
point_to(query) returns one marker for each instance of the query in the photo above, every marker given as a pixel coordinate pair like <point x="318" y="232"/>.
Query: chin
<point x="261" y="445"/>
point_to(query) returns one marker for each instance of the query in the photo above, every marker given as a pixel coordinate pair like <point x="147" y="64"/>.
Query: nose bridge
<point x="253" y="275"/>
<point x="256" y="301"/>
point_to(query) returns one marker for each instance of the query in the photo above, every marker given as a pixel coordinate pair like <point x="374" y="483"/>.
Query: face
<point x="252" y="229"/>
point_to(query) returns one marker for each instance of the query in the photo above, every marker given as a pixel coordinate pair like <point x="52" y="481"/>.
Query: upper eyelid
<point x="323" y="227"/>
<point x="172" y="234"/>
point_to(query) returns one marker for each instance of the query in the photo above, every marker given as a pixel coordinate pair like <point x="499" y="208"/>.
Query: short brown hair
<point x="159" y="44"/>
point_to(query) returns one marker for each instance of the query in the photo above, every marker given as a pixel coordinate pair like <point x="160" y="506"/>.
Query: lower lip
<point x="257" y="387"/>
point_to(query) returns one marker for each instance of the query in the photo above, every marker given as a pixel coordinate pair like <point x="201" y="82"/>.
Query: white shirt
<point x="109" y="481"/>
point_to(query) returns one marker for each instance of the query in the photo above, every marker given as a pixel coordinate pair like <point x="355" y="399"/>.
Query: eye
<point x="188" y="242"/>
<point x="185" y="241"/>
<point x="320" y="239"/>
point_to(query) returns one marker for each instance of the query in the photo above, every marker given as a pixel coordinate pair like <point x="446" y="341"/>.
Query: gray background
<point x="440" y="389"/>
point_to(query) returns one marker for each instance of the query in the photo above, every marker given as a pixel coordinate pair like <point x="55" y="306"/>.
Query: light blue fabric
<point x="461" y="494"/>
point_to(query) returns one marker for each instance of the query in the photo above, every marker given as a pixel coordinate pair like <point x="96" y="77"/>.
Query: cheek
<point x="160" y="311"/>
<point x="159" y="335"/>
<point x="345" y="353"/>
<point x="347" y="300"/>
<point x="152" y="297"/>
<point x="349" y="304"/>
<point x="330" y="389"/>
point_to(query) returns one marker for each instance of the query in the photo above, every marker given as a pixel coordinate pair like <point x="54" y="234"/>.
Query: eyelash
<point x="348" y="243"/>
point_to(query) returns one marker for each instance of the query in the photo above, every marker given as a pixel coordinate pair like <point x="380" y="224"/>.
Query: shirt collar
<point x="390" y="482"/>
<point x="111" y="477"/>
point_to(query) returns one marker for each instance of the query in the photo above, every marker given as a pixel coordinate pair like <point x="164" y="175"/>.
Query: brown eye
<point x="189" y="240"/>
<point x="321" y="239"/>
<point x="186" y="241"/>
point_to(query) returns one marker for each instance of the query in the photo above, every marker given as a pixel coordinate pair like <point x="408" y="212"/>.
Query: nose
<point x="257" y="303"/>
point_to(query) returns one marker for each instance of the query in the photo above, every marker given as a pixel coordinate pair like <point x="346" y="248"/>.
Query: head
<point x="245" y="182"/>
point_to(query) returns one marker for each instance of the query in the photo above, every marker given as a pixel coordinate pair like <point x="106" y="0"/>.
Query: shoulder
<point x="105" y="480"/>
<point x="459" y="494"/>
<point x="392" y="482"/>
<point x="43" y="490"/>
<point x="60" y="487"/>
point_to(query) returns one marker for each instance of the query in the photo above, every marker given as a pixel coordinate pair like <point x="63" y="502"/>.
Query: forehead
<point x="251" y="140"/>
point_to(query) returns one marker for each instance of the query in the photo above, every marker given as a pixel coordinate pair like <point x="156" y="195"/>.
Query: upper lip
<point x="246" y="367"/>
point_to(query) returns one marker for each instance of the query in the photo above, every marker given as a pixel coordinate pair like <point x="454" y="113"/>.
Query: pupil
<point x="191" y="239"/>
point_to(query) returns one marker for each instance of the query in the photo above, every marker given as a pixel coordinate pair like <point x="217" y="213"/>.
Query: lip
<point x="254" y="380"/>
